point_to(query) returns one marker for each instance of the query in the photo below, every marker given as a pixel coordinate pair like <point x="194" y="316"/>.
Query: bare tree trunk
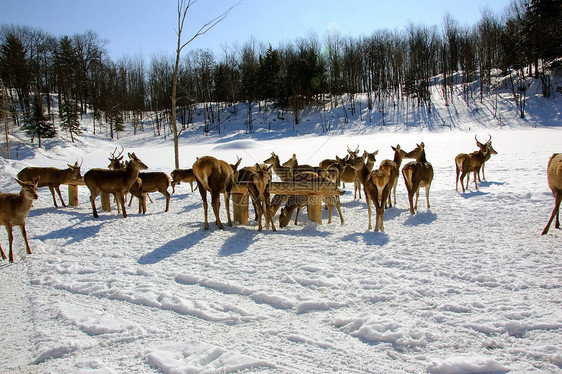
<point x="183" y="7"/>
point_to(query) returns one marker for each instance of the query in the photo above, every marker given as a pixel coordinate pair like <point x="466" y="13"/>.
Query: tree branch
<point x="203" y="29"/>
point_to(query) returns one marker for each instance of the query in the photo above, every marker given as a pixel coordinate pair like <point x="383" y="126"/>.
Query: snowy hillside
<point x="466" y="286"/>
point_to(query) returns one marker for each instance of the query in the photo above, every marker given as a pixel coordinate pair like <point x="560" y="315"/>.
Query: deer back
<point x="212" y="173"/>
<point x="115" y="180"/>
<point x="154" y="181"/>
<point x="50" y="175"/>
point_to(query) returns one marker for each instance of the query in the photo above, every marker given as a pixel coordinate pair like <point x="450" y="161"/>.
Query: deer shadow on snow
<point x="84" y="228"/>
<point x="420" y="218"/>
<point x="172" y="247"/>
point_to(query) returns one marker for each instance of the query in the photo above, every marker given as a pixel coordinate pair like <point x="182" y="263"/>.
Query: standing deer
<point x="117" y="181"/>
<point x="399" y="155"/>
<point x="472" y="162"/>
<point x="376" y="185"/>
<point x="488" y="144"/>
<point x="284" y="173"/>
<point x="417" y="174"/>
<point x="182" y="175"/>
<point x="257" y="179"/>
<point x="151" y="182"/>
<point x="554" y="175"/>
<point x="116" y="162"/>
<point x="13" y="212"/>
<point x="212" y="175"/>
<point x="51" y="177"/>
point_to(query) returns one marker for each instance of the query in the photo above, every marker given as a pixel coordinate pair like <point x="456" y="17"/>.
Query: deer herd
<point x="219" y="177"/>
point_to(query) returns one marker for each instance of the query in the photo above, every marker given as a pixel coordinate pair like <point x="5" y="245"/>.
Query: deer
<point x="347" y="173"/>
<point x="257" y="179"/>
<point x="492" y="152"/>
<point x="151" y="182"/>
<point x="554" y="177"/>
<point x="14" y="209"/>
<point x="116" y="162"/>
<point x="299" y="201"/>
<point x="417" y="174"/>
<point x="182" y="175"/>
<point x="51" y="177"/>
<point x="283" y="172"/>
<point x="212" y="175"/>
<point x="376" y="185"/>
<point x="399" y="155"/>
<point x="472" y="162"/>
<point x="116" y="181"/>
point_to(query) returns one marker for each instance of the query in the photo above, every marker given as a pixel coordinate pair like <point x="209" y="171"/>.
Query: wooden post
<point x="72" y="195"/>
<point x="314" y="208"/>
<point x="105" y="202"/>
<point x="240" y="203"/>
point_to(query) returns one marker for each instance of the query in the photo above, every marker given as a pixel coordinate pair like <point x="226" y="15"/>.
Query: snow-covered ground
<point x="466" y="286"/>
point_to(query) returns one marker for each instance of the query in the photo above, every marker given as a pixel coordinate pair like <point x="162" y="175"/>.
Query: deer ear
<point x="376" y="152"/>
<point x="393" y="148"/>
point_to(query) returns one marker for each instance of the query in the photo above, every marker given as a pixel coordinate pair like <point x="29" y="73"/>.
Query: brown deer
<point x="257" y="179"/>
<point x="488" y="144"/>
<point x="117" y="181"/>
<point x="182" y="175"/>
<point x="212" y="175"/>
<point x="417" y="174"/>
<point x="347" y="173"/>
<point x="51" y="177"/>
<point x="389" y="167"/>
<point x="554" y="175"/>
<point x="151" y="182"/>
<point x="284" y="173"/>
<point x="472" y="162"/>
<point x="116" y="162"/>
<point x="376" y="185"/>
<point x="13" y="212"/>
<point x="299" y="201"/>
<point x="399" y="155"/>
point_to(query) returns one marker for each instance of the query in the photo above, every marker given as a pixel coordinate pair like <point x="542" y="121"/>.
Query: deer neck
<point x="422" y="158"/>
<point x="362" y="173"/>
<point x="131" y="172"/>
<point x="398" y="159"/>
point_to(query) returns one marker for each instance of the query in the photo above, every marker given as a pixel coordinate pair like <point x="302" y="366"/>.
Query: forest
<point x="74" y="74"/>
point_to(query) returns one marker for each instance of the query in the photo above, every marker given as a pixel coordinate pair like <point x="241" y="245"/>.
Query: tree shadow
<point x="172" y="247"/>
<point x="420" y="218"/>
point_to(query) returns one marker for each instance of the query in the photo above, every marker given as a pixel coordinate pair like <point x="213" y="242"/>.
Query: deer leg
<point x="121" y="200"/>
<point x="174" y="187"/>
<point x="10" y="240"/>
<point x="203" y="193"/>
<point x="51" y="188"/>
<point x="555" y="212"/>
<point x="227" y="204"/>
<point x="268" y="215"/>
<point x="167" y="196"/>
<point x="297" y="216"/>
<point x="367" y="197"/>
<point x="24" y="234"/>
<point x="474" y="177"/>
<point x="60" y="196"/>
<point x="93" y="202"/>
<point x="2" y="253"/>
<point x="427" y="194"/>
<point x="338" y="207"/>
<point x="149" y="198"/>
<point x="215" y="204"/>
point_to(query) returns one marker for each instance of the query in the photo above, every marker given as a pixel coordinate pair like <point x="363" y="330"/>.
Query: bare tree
<point x="183" y="7"/>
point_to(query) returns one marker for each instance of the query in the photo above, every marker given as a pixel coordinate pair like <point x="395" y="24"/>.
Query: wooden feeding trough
<point x="314" y="191"/>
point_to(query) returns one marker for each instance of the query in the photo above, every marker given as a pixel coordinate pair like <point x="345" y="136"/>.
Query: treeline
<point x="77" y="71"/>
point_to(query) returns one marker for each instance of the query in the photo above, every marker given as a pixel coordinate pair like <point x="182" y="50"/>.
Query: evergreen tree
<point x="37" y="123"/>
<point x="14" y="69"/>
<point x="69" y="117"/>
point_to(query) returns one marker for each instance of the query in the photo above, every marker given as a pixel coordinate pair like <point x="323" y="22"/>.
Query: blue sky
<point x="147" y="27"/>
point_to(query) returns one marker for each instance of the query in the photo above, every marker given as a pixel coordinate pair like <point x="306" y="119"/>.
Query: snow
<point x="466" y="286"/>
